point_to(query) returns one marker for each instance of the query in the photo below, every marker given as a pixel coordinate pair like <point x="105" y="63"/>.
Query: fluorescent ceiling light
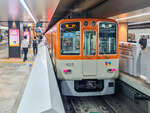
<point x="28" y="10"/>
<point x="134" y="16"/>
<point x="135" y="23"/>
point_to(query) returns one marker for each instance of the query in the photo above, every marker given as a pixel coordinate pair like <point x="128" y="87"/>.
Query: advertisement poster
<point x="13" y="37"/>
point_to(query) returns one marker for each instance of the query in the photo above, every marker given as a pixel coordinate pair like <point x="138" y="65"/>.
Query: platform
<point x="13" y="77"/>
<point x="136" y="83"/>
<point x="3" y="44"/>
<point x="4" y="55"/>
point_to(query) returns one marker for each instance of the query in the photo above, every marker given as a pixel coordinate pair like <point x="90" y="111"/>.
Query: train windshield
<point x="89" y="43"/>
<point x="107" y="38"/>
<point x="70" y="38"/>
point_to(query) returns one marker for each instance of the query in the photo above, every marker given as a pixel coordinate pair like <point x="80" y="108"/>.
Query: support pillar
<point x="123" y="32"/>
<point x="14" y="39"/>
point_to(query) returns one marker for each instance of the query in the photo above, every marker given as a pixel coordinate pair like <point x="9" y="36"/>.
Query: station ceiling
<point x="98" y="8"/>
<point x="13" y="10"/>
<point x="142" y="15"/>
<point x="54" y="10"/>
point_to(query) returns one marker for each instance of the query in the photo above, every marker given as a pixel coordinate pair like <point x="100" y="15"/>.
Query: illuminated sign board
<point x="13" y="37"/>
<point x="74" y="26"/>
<point x="70" y="26"/>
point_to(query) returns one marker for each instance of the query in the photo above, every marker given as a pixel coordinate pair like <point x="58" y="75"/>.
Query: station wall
<point x="139" y="32"/>
<point x="123" y="32"/>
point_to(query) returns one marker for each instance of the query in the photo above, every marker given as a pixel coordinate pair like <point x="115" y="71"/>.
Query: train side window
<point x="107" y="38"/>
<point x="89" y="43"/>
<point x="70" y="38"/>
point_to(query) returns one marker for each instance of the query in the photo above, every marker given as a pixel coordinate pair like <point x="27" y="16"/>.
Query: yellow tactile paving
<point x="14" y="60"/>
<point x="30" y="50"/>
<point x="17" y="60"/>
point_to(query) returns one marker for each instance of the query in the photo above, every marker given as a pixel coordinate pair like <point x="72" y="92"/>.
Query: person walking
<point x="35" y="46"/>
<point x="24" y="46"/>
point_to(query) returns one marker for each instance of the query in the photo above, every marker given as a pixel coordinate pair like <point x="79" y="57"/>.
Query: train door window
<point x="89" y="43"/>
<point x="70" y="38"/>
<point x="107" y="38"/>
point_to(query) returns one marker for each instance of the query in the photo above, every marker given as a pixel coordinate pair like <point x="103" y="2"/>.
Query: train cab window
<point x="70" y="38"/>
<point x="107" y="38"/>
<point x="89" y="43"/>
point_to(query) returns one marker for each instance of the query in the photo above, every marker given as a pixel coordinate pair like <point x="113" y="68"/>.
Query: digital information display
<point x="13" y="37"/>
<point x="68" y="35"/>
<point x="74" y="26"/>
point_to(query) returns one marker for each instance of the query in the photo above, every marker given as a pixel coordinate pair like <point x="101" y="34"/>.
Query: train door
<point x="89" y="52"/>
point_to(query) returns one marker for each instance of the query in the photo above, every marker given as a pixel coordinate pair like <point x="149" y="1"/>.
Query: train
<point x="85" y="55"/>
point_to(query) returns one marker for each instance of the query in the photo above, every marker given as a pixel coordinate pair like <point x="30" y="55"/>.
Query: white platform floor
<point x="136" y="83"/>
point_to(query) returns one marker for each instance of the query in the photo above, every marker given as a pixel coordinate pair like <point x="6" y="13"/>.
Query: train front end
<point x="87" y="57"/>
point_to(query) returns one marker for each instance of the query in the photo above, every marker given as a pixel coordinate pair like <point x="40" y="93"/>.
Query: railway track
<point x="87" y="105"/>
<point x="106" y="104"/>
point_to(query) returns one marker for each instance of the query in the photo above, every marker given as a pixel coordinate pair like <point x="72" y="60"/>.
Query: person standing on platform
<point x="35" y="46"/>
<point x="143" y="42"/>
<point x="24" y="46"/>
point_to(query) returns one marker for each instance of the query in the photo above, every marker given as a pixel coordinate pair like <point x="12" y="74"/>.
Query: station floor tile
<point x="12" y="79"/>
<point x="14" y="74"/>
